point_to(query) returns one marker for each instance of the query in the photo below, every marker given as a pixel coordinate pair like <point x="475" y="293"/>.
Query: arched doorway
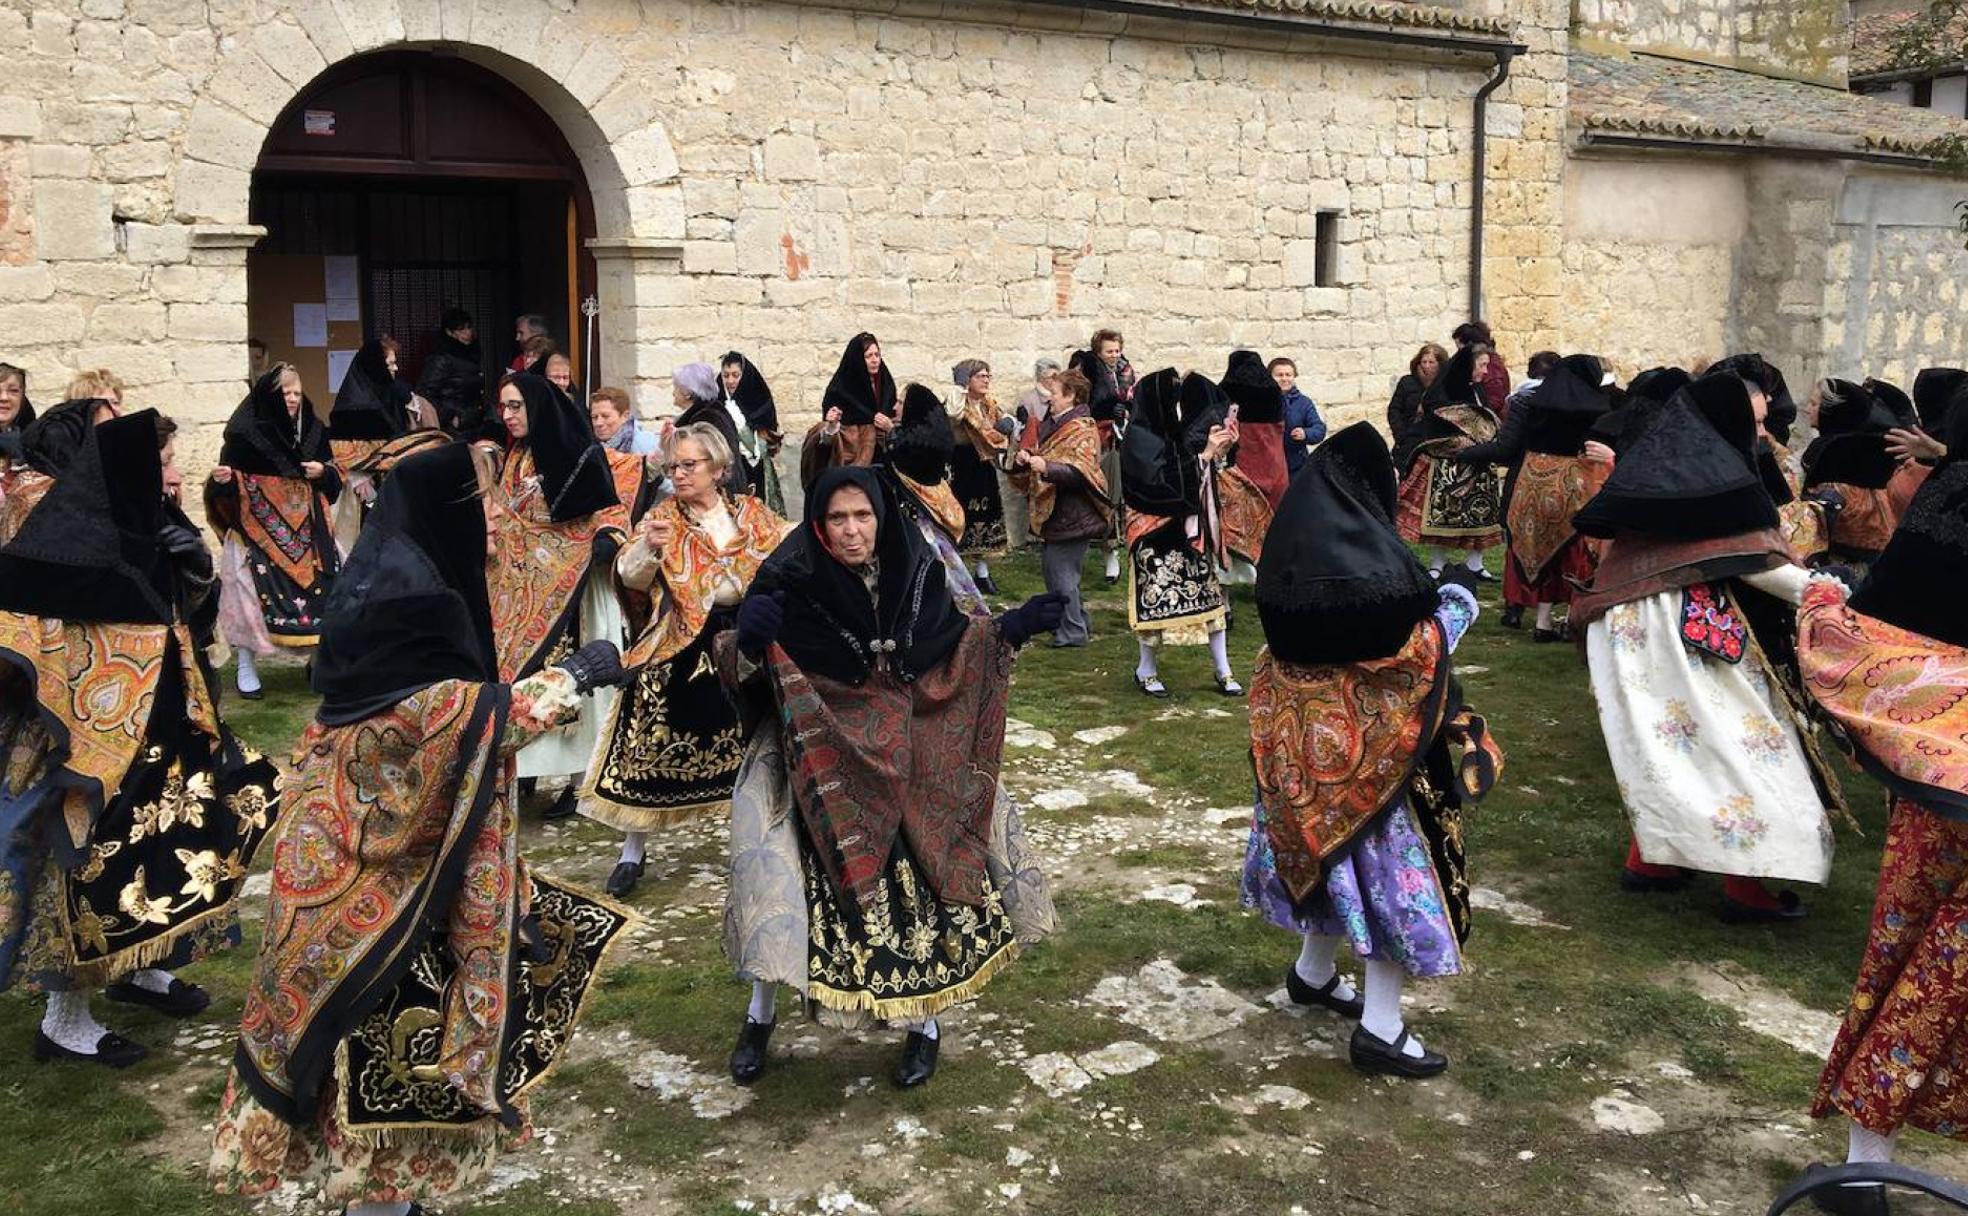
<point x="402" y="183"/>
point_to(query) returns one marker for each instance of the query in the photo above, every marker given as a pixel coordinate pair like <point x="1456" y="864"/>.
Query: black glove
<point x="1005" y="427"/>
<point x="187" y="549"/>
<point x="1031" y="618"/>
<point x="595" y="665"/>
<point x="759" y="620"/>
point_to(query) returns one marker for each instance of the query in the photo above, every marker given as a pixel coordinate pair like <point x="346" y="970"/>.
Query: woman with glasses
<point x="672" y="746"/>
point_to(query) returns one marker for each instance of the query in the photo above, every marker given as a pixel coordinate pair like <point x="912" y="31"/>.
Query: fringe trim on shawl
<point x="914" y="1008"/>
<point x="624" y="818"/>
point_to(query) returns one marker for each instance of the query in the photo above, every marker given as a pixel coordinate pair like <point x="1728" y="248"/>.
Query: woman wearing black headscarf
<point x="110" y="715"/>
<point x="748" y="401"/>
<point x="1444" y="504"/>
<point x="917" y="462"/>
<point x="400" y="861"/>
<point x="1850" y="459"/>
<point x="560" y="523"/>
<point x="276" y="469"/>
<point x="372" y="426"/>
<point x="46" y="446"/>
<point x="857" y="411"/>
<point x="876" y="866"/>
<point x="1362" y="841"/>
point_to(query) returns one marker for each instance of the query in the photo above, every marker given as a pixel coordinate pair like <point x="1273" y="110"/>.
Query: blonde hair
<point x="705" y="436"/>
<point x="95" y="382"/>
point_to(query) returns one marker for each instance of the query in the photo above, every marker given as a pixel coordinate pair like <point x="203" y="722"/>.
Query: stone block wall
<point x="976" y="180"/>
<point x="1798" y="39"/>
<point x="1892" y="291"/>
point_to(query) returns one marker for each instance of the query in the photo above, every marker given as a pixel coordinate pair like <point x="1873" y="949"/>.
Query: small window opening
<point x="1325" y="246"/>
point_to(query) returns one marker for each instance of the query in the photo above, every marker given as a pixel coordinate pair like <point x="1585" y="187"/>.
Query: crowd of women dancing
<point x="529" y="590"/>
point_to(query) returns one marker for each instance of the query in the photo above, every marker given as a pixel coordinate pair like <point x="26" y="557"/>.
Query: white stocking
<point x="1437" y="558"/>
<point x="1544" y="617"/>
<point x="983" y="569"/>
<point x="765" y="1002"/>
<point x="1382" y="1018"/>
<point x="150" y="979"/>
<point x="1219" y="643"/>
<point x="1474" y="561"/>
<point x="249" y="671"/>
<point x="633" y="844"/>
<point x="69" y="1022"/>
<point x="1113" y="564"/>
<point x="929" y="1030"/>
<point x="1870" y="1147"/>
<point x="1316" y="964"/>
<point x="1145" y="669"/>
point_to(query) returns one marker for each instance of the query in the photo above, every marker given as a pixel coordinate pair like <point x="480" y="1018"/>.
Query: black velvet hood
<point x="367" y="404"/>
<point x="1920" y="580"/>
<point x="1935" y="390"/>
<point x="922" y="443"/>
<point x="1336" y="583"/>
<point x="1691" y="475"/>
<point x="573" y="469"/>
<point x="50" y="443"/>
<point x="409" y="608"/>
<point x="1202" y="407"/>
<point x="858" y="397"/>
<point x="754" y="395"/>
<point x="1852" y="460"/>
<point x="1646" y="394"/>
<point x="262" y="440"/>
<point x="1250" y="386"/>
<point x="89" y="551"/>
<point x="1894" y="400"/>
<point x="1159" y="473"/>
<point x="1781" y="412"/>
<point x="833" y="628"/>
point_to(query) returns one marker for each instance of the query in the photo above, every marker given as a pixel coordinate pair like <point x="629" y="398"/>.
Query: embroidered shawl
<point x="96" y="683"/>
<point x="1333" y="746"/>
<point x="536" y="570"/>
<point x="401" y="825"/>
<point x="1247" y="513"/>
<point x="977" y="424"/>
<point x="1901" y="698"/>
<point x="283" y="519"/>
<point x="628" y="471"/>
<point x="1801" y="522"/>
<point x="1865" y="522"/>
<point x="940" y="501"/>
<point x="373" y="456"/>
<point x="1077" y="444"/>
<point x="886" y="760"/>
<point x="1549" y="490"/>
<point x="1634" y="566"/>
<point x="687" y="564"/>
<point x="25" y="488"/>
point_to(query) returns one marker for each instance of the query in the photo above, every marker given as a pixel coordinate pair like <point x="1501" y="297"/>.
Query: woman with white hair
<point x="699" y="397"/>
<point x="671" y="747"/>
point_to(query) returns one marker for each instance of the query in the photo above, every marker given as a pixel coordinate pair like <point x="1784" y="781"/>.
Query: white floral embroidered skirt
<point x="1709" y="765"/>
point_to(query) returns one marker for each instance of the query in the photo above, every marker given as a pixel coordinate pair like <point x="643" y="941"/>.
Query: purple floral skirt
<point x="1382" y="895"/>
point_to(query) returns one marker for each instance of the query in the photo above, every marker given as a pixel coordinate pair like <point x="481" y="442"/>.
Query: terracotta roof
<point x="1365" y="12"/>
<point x="1673" y="99"/>
<point x="1906" y="40"/>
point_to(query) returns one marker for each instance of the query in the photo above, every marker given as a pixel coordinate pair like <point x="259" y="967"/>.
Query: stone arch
<point x="569" y="71"/>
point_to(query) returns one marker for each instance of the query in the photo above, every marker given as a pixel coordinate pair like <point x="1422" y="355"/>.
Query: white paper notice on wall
<point x="340" y="309"/>
<point x="338" y="365"/>
<point x="310" y="325"/>
<point x="338" y="273"/>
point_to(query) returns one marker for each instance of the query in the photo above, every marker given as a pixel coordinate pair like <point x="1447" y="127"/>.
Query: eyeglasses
<point x="684" y="466"/>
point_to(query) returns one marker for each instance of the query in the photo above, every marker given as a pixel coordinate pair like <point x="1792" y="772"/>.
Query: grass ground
<point x="1585" y="1012"/>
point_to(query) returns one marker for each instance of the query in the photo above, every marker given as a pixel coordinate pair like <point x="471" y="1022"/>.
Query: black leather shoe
<point x="1227" y="686"/>
<point x="1484" y="576"/>
<point x="1644" y="883"/>
<point x="1847" y="1200"/>
<point x="988" y="585"/>
<point x="561" y="807"/>
<point x="1789" y="908"/>
<point x="918" y="1063"/>
<point x="416" y="1209"/>
<point x="748" y="1058"/>
<point x="1153" y="687"/>
<point x="255" y="695"/>
<point x="623" y="878"/>
<point x="1547" y="635"/>
<point x="1513" y="617"/>
<point x="112" y="1050"/>
<point x="181" y="1001"/>
<point x="1372" y="1056"/>
<point x="1303" y="993"/>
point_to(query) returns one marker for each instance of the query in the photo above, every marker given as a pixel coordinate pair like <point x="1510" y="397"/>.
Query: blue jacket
<point x="1300" y="412"/>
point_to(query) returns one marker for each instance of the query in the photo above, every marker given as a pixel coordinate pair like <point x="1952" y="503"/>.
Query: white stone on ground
<point x="1024" y="734"/>
<point x="1017" y="1158"/>
<point x="1181" y="894"/>
<point x="1618" y="1112"/>
<point x="1067" y="799"/>
<point x="1764" y="1010"/>
<point x="673" y="1078"/>
<point x="1168" y="1004"/>
<point x="1284" y="1097"/>
<point x="1057" y="1073"/>
<point x="1095" y="736"/>
<point x="1119" y="1058"/>
<point x="1121" y="781"/>
<point x="1228" y="816"/>
<point x="1516" y="911"/>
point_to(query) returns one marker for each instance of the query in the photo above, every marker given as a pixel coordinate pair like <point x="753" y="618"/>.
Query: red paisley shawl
<point x="537" y="568"/>
<point x="1333" y="746"/>
<point x="1901" y="698"/>
<point x="887" y="759"/>
<point x="1549" y="490"/>
<point x="688" y="563"/>
<point x="1247" y="512"/>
